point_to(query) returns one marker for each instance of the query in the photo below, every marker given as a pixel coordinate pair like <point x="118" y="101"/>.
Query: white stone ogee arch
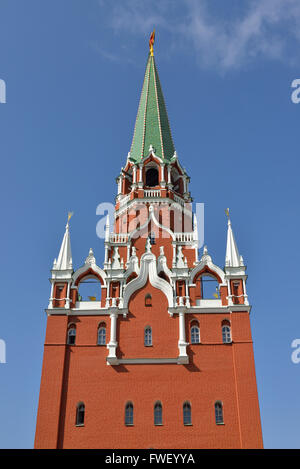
<point x="148" y="270"/>
<point x="97" y="271"/>
<point x="207" y="262"/>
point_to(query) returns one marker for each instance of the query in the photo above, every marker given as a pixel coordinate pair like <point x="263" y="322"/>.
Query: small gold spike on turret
<point x="151" y="42"/>
<point x="70" y="214"/>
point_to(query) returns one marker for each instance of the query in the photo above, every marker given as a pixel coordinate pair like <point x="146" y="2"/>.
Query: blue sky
<point x="73" y="71"/>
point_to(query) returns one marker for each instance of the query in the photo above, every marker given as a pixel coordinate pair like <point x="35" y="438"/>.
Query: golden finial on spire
<point x="227" y="212"/>
<point x="151" y="41"/>
<point x="70" y="214"/>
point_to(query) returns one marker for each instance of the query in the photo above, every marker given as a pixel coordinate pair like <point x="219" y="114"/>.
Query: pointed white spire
<point x="233" y="258"/>
<point x="64" y="260"/>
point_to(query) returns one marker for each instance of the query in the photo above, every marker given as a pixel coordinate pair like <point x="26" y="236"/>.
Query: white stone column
<point x="245" y="293"/>
<point x="196" y="253"/>
<point x="128" y="253"/>
<point x="51" y="296"/>
<point x="106" y="255"/>
<point x="174" y="256"/>
<point x="183" y="357"/>
<point x="119" y="180"/>
<point x="112" y="345"/>
<point x="67" y="304"/>
<point x="229" y="293"/>
<point x="162" y="175"/>
<point x="134" y="176"/>
<point x="140" y="184"/>
<point x="169" y="175"/>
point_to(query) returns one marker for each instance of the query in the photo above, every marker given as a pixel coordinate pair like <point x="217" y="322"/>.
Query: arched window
<point x="209" y="287"/>
<point x="89" y="289"/>
<point x="102" y="334"/>
<point x="72" y="335"/>
<point x="148" y="336"/>
<point x="219" y="413"/>
<point x="148" y="300"/>
<point x="80" y="411"/>
<point x="187" y="414"/>
<point x="226" y="332"/>
<point x="152" y="177"/>
<point x="60" y="292"/>
<point x="195" y="332"/>
<point x="129" y="414"/>
<point x="157" y="413"/>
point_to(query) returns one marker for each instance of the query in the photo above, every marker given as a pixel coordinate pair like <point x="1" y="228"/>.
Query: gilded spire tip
<point x="227" y="214"/>
<point x="70" y="214"/>
<point x="151" y="42"/>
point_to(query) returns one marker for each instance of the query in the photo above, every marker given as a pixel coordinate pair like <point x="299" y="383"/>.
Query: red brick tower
<point x="161" y="360"/>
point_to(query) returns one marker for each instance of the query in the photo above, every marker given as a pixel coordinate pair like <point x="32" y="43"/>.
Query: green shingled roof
<point x="152" y="124"/>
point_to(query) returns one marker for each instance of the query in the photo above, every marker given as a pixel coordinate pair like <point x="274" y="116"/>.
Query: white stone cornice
<point x="231" y="272"/>
<point x="147" y="361"/>
<point x="154" y="201"/>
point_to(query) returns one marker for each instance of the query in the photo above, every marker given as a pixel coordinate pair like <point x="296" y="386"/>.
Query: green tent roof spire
<point x="152" y="124"/>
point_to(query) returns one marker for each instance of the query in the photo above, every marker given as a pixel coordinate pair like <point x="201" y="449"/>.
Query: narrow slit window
<point x="158" y="414"/>
<point x="187" y="414"/>
<point x="148" y="300"/>
<point x="72" y="335"/>
<point x="219" y="413"/>
<point x="102" y="334"/>
<point x="226" y="333"/>
<point x="129" y="414"/>
<point x="80" y="412"/>
<point x="148" y="336"/>
<point x="195" y="333"/>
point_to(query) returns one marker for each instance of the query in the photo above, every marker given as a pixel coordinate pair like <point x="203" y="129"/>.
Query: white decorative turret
<point x="64" y="260"/>
<point x="63" y="266"/>
<point x="234" y="269"/>
<point x="62" y="269"/>
<point x="233" y="258"/>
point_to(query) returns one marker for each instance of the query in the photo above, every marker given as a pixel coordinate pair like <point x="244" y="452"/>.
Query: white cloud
<point x="259" y="28"/>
